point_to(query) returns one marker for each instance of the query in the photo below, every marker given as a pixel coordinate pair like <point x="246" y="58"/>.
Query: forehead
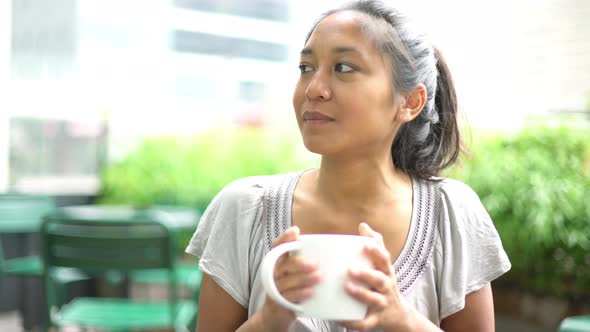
<point x="343" y="29"/>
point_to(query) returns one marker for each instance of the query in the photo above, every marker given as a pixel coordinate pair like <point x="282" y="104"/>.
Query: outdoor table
<point x="575" y="324"/>
<point x="176" y="218"/>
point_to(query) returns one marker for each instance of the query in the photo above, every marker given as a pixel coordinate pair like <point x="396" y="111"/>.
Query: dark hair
<point x="431" y="142"/>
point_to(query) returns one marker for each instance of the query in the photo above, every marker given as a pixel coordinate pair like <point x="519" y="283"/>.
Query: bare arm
<point x="218" y="311"/>
<point x="477" y="316"/>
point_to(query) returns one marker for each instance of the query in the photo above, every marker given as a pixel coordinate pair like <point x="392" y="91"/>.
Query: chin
<point x="319" y="147"/>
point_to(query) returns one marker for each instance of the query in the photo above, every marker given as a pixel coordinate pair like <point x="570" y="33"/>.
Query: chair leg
<point x="183" y="329"/>
<point x="60" y="293"/>
<point x="44" y="328"/>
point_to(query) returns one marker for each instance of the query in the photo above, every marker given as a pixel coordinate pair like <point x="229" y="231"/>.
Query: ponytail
<point x="431" y="142"/>
<point x="445" y="105"/>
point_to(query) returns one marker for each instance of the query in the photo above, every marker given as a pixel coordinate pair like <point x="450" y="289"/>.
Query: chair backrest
<point x="110" y="245"/>
<point x="21" y="213"/>
<point x="100" y="247"/>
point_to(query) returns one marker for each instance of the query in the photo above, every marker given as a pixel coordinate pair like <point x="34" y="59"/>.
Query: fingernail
<point x="311" y="266"/>
<point x="351" y="287"/>
<point x="317" y="276"/>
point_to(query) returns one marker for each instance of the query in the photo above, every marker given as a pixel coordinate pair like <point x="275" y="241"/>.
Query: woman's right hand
<point x="295" y="278"/>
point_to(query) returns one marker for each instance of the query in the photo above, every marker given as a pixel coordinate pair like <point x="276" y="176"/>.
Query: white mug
<point x="335" y="254"/>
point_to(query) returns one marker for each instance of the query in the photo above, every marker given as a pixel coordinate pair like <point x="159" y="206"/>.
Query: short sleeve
<point x="222" y="238"/>
<point x="472" y="254"/>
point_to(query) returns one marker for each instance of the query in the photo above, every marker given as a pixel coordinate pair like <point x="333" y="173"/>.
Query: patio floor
<point x="10" y="322"/>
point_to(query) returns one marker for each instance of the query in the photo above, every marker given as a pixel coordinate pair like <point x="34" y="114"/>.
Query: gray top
<point x="452" y="248"/>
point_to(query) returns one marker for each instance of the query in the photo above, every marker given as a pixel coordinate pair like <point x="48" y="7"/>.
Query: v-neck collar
<point x="419" y="244"/>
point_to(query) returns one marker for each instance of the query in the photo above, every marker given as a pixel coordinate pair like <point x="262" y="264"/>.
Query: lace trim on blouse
<point x="417" y="250"/>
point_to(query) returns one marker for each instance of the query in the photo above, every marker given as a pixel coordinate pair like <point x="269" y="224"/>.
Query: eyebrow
<point x="342" y="49"/>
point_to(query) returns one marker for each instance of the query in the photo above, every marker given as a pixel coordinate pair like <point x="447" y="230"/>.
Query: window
<point x="43" y="43"/>
<point x="274" y="10"/>
<point x="49" y="155"/>
<point x="196" y="42"/>
<point x="251" y="91"/>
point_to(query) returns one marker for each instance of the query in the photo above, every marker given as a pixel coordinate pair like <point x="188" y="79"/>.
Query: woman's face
<point x="344" y="100"/>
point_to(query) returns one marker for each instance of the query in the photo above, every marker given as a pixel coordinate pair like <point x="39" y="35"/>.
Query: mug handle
<point x="267" y="271"/>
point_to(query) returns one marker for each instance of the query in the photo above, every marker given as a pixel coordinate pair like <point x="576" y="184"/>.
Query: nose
<point x="319" y="87"/>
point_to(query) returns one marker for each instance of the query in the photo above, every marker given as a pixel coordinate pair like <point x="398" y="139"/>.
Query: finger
<point x="365" y="295"/>
<point x="295" y="281"/>
<point x="291" y="234"/>
<point x="360" y="325"/>
<point x="294" y="264"/>
<point x="373" y="279"/>
<point x="380" y="258"/>
<point x="366" y="230"/>
<point x="298" y="295"/>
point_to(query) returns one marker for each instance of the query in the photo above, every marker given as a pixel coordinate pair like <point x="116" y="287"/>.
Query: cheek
<point x="298" y="96"/>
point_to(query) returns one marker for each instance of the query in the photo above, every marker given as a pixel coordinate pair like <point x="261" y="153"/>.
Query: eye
<point x="305" y="68"/>
<point x="343" y="68"/>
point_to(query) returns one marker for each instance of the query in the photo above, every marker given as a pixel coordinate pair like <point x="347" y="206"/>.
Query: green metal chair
<point x="21" y="214"/>
<point x="575" y="324"/>
<point x="97" y="247"/>
<point x="179" y="219"/>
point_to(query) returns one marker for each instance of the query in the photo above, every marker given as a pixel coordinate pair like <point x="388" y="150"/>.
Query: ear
<point x="412" y="104"/>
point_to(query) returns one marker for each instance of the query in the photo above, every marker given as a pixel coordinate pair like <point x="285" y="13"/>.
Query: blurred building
<point x="137" y="68"/>
<point x="71" y="69"/>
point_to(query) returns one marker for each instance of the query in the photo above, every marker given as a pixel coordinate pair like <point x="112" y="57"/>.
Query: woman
<point x="376" y="101"/>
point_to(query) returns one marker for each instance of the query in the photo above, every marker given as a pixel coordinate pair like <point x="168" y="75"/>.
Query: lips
<point x="316" y="116"/>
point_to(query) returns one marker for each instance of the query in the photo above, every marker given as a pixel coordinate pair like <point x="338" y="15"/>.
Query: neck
<point x="360" y="184"/>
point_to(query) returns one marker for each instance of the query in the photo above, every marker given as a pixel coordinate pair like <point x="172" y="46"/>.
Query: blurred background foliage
<point x="190" y="171"/>
<point x="534" y="182"/>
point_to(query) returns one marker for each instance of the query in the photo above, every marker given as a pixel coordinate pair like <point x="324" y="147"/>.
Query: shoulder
<point x="460" y="206"/>
<point x="250" y="189"/>
<point x="459" y="198"/>
<point x="457" y="192"/>
<point x="234" y="210"/>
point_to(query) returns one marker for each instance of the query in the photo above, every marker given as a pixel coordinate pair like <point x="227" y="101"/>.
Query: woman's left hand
<point x="386" y="309"/>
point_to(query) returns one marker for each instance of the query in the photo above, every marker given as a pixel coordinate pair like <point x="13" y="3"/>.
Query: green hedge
<point x="536" y="186"/>
<point x="190" y="171"/>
